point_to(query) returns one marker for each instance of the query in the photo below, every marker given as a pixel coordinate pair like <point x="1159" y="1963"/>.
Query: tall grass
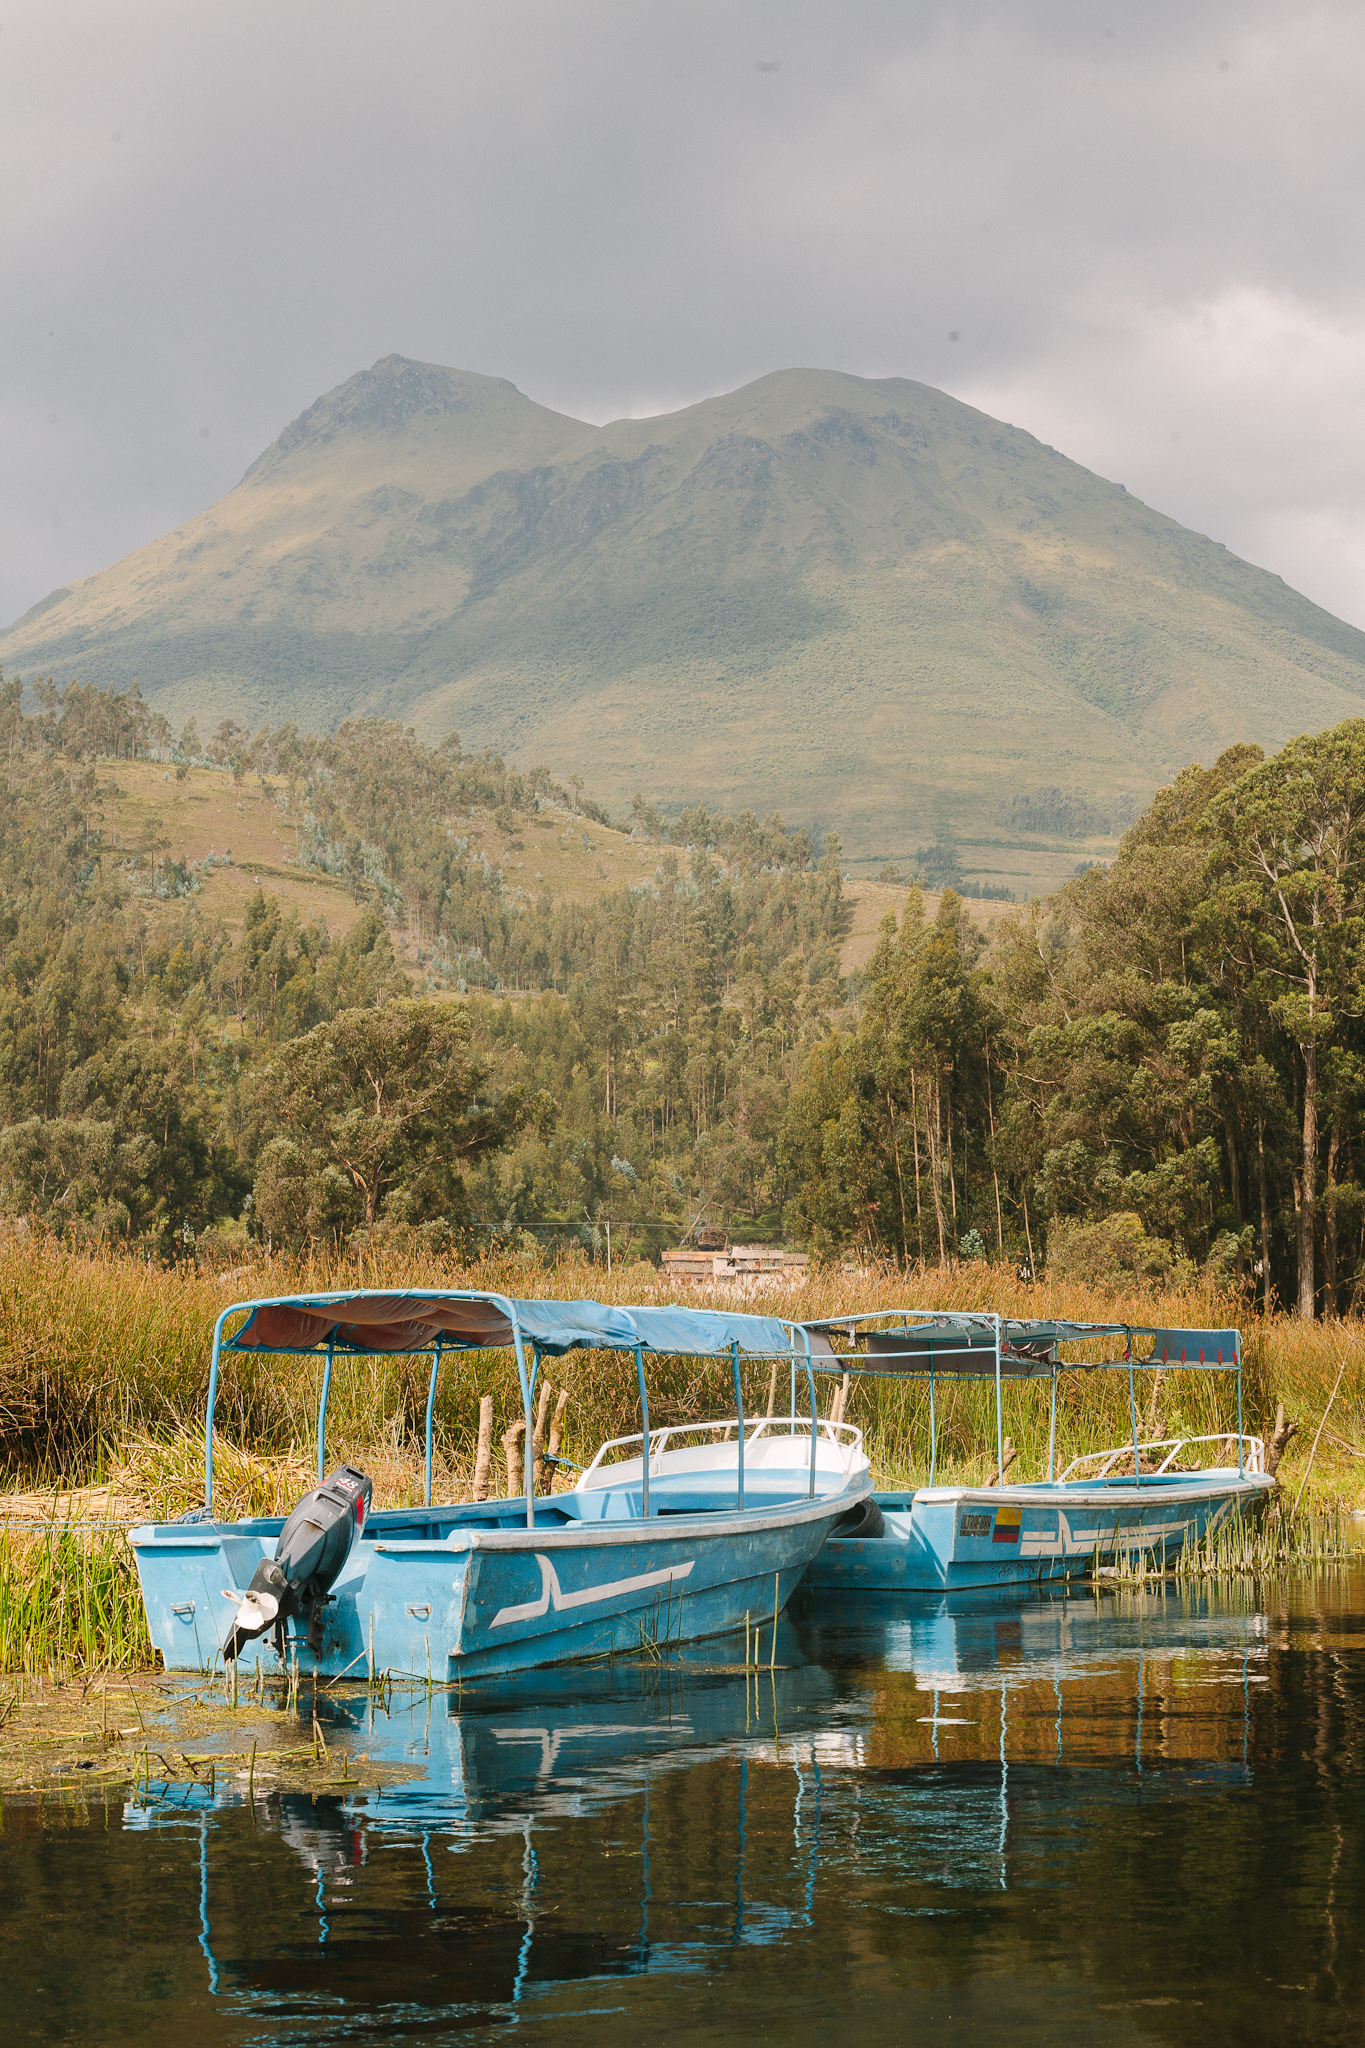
<point x="104" y="1370"/>
<point x="69" y="1601"/>
<point x="1251" y="1546"/>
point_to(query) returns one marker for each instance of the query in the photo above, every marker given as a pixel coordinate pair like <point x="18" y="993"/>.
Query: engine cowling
<point x="313" y="1546"/>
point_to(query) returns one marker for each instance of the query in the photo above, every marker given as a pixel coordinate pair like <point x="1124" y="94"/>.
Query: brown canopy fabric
<point x="375" y="1322"/>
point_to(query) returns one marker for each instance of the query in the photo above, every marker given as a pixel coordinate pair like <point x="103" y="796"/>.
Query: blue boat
<point x="668" y="1536"/>
<point x="1136" y="1502"/>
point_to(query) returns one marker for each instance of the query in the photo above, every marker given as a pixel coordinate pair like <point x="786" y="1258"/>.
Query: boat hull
<point x="948" y="1539"/>
<point x="466" y="1597"/>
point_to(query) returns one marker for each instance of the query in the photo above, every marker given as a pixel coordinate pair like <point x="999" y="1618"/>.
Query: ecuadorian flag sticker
<point x="1006" y="1525"/>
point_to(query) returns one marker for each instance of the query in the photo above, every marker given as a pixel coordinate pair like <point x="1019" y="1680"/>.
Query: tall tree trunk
<point x="1265" y="1215"/>
<point x="1329" y="1228"/>
<point x="1235" y="1181"/>
<point x="1306" y="1202"/>
<point x="995" y="1171"/>
<point x="946" y="1088"/>
<point x="919" y="1208"/>
<point x="936" y="1174"/>
<point x="900" y="1180"/>
<point x="1234" y="1168"/>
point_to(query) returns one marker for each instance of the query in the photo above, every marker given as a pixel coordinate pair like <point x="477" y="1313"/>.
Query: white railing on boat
<point x="843" y="1435"/>
<point x="1252" y="1460"/>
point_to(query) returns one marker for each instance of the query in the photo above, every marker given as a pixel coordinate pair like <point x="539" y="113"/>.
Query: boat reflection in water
<point x="1029" y="1714"/>
<point x="645" y="1817"/>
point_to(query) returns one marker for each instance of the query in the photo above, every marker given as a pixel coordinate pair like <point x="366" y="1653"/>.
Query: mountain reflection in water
<point x="1104" y="1817"/>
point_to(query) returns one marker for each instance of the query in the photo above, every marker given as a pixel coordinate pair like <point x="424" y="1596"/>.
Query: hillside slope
<point x="860" y="602"/>
<point x="238" y="838"/>
<point x="238" y="841"/>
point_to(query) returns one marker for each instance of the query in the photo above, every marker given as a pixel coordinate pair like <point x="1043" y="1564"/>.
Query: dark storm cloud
<point x="1136" y="232"/>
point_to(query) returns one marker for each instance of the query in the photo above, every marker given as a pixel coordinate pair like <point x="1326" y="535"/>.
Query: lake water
<point x="1109" y="1817"/>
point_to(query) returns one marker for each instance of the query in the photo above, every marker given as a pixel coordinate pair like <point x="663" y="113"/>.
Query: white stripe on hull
<point x="552" y="1594"/>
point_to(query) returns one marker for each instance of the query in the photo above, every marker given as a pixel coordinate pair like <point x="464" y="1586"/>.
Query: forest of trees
<point x="1155" y="1071"/>
<point x="1161" y="1065"/>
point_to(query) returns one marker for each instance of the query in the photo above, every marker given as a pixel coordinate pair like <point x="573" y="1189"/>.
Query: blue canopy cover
<point x="963" y="1346"/>
<point x="371" y="1323"/>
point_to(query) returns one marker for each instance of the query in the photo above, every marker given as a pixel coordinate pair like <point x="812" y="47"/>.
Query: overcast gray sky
<point x="1135" y="230"/>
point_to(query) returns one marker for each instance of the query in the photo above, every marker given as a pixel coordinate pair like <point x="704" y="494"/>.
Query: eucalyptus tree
<point x="392" y="1103"/>
<point x="875" y="1134"/>
<point x="1290" y="902"/>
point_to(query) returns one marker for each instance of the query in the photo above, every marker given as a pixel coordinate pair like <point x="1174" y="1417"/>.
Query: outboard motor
<point x="314" y="1544"/>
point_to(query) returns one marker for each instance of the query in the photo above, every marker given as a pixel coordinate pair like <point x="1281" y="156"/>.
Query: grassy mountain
<point x="859" y="602"/>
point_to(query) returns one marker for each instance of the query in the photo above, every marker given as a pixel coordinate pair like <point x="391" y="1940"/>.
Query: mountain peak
<point x="856" y="601"/>
<point x="386" y="399"/>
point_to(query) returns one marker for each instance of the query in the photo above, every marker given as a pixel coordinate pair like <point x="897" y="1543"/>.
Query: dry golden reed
<point x="104" y="1368"/>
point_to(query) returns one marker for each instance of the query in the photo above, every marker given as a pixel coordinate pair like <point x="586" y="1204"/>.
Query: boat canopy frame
<point x="386" y="1322"/>
<point x="970" y="1344"/>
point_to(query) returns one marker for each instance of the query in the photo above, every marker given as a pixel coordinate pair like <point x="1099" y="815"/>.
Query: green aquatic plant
<point x="70" y="1601"/>
<point x="1271" y="1545"/>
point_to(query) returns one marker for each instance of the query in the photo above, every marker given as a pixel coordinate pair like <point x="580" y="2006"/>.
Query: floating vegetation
<point x="114" y="1731"/>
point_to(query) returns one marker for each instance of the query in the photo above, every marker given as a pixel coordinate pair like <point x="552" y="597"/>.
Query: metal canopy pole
<point x="1240" y="1447"/>
<point x="1052" y="1427"/>
<point x="933" y="1419"/>
<point x="1132" y="1412"/>
<point x="527" y="1391"/>
<point x="810" y="1379"/>
<point x="322" y="1413"/>
<point x="999" y="1416"/>
<point x="208" y="1420"/>
<point x="431" y="1405"/>
<point x="739" y="1410"/>
<point x="644" y="1441"/>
